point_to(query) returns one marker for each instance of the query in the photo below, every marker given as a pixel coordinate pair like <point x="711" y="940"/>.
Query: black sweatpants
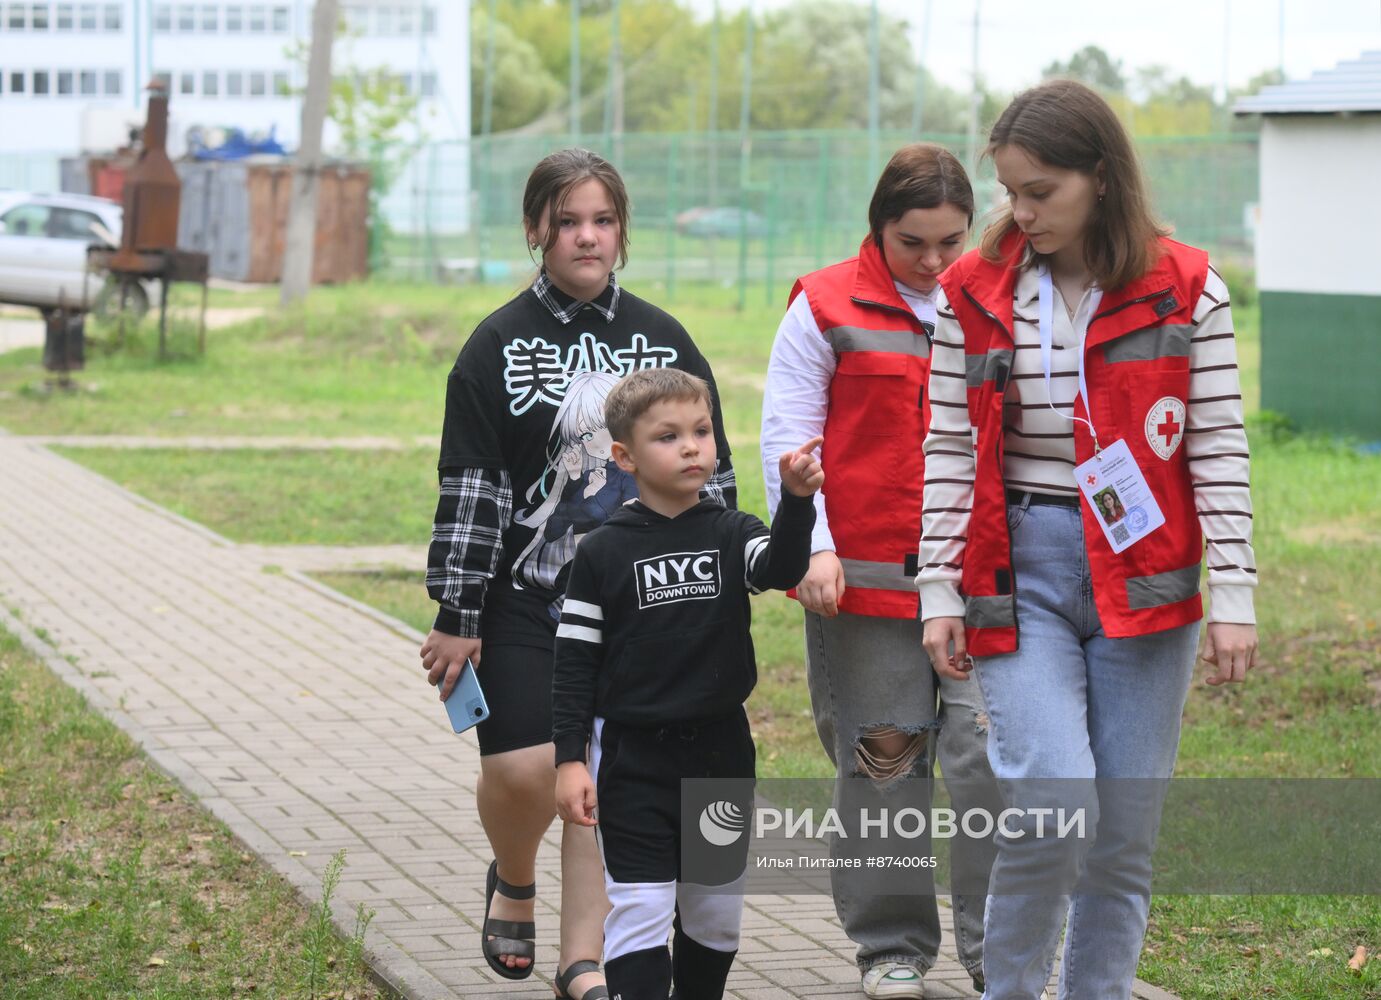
<point x="638" y="775"/>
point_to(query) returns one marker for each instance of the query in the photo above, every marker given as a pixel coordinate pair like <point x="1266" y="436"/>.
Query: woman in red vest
<point x="851" y="361"/>
<point x="1077" y="351"/>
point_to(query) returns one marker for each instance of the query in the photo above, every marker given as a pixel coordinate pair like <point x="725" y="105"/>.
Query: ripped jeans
<point x="870" y="675"/>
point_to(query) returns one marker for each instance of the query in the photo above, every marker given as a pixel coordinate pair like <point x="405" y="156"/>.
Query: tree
<point x="811" y="69"/>
<point x="300" y="238"/>
<point x="1092" y="66"/>
<point x="523" y="86"/>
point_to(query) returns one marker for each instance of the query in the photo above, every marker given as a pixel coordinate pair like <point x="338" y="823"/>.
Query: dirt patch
<point x="1357" y="530"/>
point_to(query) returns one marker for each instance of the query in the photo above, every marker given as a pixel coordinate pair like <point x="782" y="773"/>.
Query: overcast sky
<point x="1019" y="37"/>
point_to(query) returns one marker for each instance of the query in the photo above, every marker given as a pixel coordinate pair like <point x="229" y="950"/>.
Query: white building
<point x="72" y="74"/>
<point x="1316" y="260"/>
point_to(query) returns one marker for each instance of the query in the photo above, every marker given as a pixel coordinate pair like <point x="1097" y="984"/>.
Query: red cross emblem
<point x="1165" y="425"/>
<point x="1168" y="428"/>
<point x="1092" y="479"/>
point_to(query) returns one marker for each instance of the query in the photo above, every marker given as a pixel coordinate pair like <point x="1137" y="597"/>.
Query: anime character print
<point x="579" y="488"/>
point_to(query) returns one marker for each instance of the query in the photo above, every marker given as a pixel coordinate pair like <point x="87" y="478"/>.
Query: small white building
<point x="1317" y="263"/>
<point x="72" y="74"/>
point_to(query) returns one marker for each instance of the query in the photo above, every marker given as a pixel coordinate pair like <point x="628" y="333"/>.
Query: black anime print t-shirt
<point x="527" y="395"/>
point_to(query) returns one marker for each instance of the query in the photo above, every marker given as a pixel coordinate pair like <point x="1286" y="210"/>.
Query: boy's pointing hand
<point x="801" y="471"/>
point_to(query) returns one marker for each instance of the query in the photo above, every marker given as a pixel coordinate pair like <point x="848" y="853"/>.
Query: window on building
<point x="429" y="20"/>
<point x="234" y="83"/>
<point x="357" y="18"/>
<point x="88" y="18"/>
<point x="38" y="17"/>
<point x="67" y="83"/>
<point x="234" y="17"/>
<point x="210" y="18"/>
<point x="113" y="15"/>
<point x="17" y="82"/>
<point x="41" y="83"/>
<point x="26" y="220"/>
<point x="383" y="20"/>
<point x="163" y="17"/>
<point x="280" y="20"/>
<point x="186" y="83"/>
<point x="281" y="87"/>
<point x="17" y="17"/>
<point x="210" y="83"/>
<point x="113" y="82"/>
<point x="164" y="78"/>
<point x="186" y="18"/>
<point x="65" y="17"/>
<point x="258" y="83"/>
<point x="88" y="82"/>
<point x="428" y="84"/>
<point x="258" y="19"/>
<point x="407" y="21"/>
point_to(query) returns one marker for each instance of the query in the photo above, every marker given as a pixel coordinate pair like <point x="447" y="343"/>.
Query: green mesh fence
<point x="715" y="207"/>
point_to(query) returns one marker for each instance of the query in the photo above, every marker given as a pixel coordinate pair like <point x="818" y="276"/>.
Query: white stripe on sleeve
<point x="582" y="608"/>
<point x="568" y="631"/>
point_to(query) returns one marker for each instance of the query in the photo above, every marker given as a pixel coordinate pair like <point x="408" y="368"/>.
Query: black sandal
<point x="573" y="972"/>
<point x="508" y="937"/>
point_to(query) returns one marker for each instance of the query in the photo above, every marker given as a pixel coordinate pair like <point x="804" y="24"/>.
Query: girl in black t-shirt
<point x="524" y="473"/>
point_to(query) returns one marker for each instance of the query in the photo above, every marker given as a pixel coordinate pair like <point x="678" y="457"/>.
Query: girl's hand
<point x="443" y="658"/>
<point x="939" y="634"/>
<point x="575" y="793"/>
<point x="1232" y="649"/>
<point x="823" y="584"/>
<point x="801" y="472"/>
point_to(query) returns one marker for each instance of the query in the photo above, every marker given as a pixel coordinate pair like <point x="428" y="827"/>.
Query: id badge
<point x="1122" y="503"/>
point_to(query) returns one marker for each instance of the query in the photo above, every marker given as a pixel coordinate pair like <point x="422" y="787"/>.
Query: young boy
<point x="653" y="663"/>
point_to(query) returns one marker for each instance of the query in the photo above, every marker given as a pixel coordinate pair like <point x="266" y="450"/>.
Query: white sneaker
<point x="893" y="979"/>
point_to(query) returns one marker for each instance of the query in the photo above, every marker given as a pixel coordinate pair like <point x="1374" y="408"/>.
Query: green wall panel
<point x="1321" y="360"/>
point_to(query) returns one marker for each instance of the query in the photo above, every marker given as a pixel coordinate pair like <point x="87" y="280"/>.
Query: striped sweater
<point x="1038" y="445"/>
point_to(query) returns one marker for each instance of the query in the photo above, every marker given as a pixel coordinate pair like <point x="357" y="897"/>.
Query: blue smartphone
<point x="466" y="705"/>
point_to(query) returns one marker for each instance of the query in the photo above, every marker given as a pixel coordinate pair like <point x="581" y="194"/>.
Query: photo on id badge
<point x="1109" y="505"/>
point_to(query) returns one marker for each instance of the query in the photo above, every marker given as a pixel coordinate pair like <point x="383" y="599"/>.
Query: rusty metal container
<point x="152" y="191"/>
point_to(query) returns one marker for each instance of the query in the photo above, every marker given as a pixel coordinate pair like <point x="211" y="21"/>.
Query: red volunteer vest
<point x="1136" y="359"/>
<point x="878" y="415"/>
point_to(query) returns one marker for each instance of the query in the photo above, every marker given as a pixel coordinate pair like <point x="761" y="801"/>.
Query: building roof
<point x="1353" y="85"/>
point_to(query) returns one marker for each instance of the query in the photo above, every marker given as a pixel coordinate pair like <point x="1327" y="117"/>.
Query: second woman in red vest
<point x="850" y="361"/>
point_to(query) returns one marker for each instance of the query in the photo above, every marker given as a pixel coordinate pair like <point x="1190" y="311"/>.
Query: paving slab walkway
<point x="300" y="718"/>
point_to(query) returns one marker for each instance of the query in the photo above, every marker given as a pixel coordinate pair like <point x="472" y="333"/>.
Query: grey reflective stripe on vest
<point x="1164" y="588"/>
<point x="979" y="367"/>
<point x="856" y="338"/>
<point x="990" y="612"/>
<point x="876" y="575"/>
<point x="1169" y="341"/>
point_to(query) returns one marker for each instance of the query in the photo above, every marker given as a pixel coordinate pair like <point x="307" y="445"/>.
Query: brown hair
<point x="919" y="175"/>
<point x="1063" y="123"/>
<point x="550" y="184"/>
<point x="637" y="393"/>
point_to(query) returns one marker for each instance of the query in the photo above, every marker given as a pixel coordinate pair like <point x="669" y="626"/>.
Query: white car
<point x="43" y="241"/>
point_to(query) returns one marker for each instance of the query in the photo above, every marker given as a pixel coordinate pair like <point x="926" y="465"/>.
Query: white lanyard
<point x="1047" y="333"/>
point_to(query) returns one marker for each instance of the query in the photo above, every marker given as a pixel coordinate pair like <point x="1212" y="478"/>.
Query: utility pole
<point x="874" y="90"/>
<point x="299" y="243"/>
<point x="974" y="97"/>
<point x="575" y="72"/>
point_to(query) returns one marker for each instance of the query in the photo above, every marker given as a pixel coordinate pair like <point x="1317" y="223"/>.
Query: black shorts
<point x="516" y="681"/>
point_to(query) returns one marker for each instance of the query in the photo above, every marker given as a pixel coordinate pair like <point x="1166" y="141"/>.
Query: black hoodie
<point x="655" y="626"/>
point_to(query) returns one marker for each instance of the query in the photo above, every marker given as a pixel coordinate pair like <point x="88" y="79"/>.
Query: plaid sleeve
<point x="722" y="486"/>
<point x="472" y="511"/>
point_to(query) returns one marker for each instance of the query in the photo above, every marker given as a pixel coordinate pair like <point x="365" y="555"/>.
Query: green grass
<point x="329" y="497"/>
<point x="372" y="360"/>
<point x="114" y="884"/>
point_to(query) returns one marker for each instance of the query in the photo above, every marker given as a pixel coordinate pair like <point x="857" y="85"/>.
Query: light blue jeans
<point x="1072" y="703"/>
<point x="865" y="672"/>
